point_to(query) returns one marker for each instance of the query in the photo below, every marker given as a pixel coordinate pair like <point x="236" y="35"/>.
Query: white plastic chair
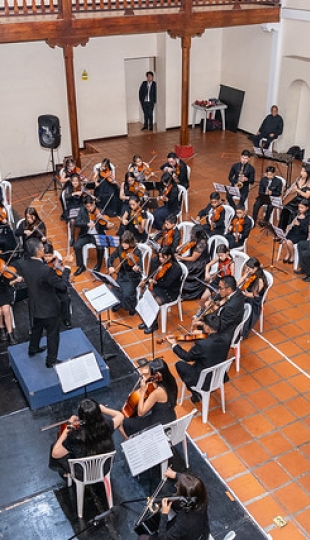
<point x="182" y="194"/>
<point x="149" y="222"/>
<point x="6" y="187"/>
<point x="185" y="230"/>
<point x="215" y="241"/>
<point x="176" y="433"/>
<point x="163" y="310"/>
<point x="240" y="259"/>
<point x="19" y="239"/>
<point x="296" y="255"/>
<point x="269" y="278"/>
<point x="244" y="246"/>
<point x="94" y="469"/>
<point x="267" y="152"/>
<point x="146" y="252"/>
<point x="229" y="214"/>
<point x="217" y="382"/>
<point x="237" y="337"/>
<point x="89" y="246"/>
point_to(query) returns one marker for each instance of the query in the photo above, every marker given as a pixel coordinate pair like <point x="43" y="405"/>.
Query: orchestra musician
<point x="301" y="190"/>
<point x="231" y="313"/>
<point x="226" y="267"/>
<point x="194" y="254"/>
<point x="107" y="189"/>
<point x="43" y="284"/>
<point x="128" y="273"/>
<point x="155" y="406"/>
<point x="69" y="169"/>
<point x="190" y="520"/>
<point x="52" y="260"/>
<point x="214" y="213"/>
<point x="269" y="185"/>
<point x="164" y="282"/>
<point x="142" y="172"/>
<point x="88" y="433"/>
<point x="170" y="200"/>
<point x="239" y="228"/>
<point x="74" y="201"/>
<point x="31" y="227"/>
<point x="252" y="285"/>
<point x="297" y="231"/>
<point x="177" y="168"/>
<point x="241" y="175"/>
<point x="204" y="354"/>
<point x="134" y="219"/>
<point x="170" y="234"/>
<point x="6" y="326"/>
<point x="91" y="224"/>
<point x="130" y="186"/>
<point x="7" y="238"/>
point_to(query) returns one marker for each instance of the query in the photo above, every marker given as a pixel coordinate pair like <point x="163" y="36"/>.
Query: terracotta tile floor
<point x="261" y="446"/>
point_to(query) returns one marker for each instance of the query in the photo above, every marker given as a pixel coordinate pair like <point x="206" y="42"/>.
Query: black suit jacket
<point x="231" y="314"/>
<point x="43" y="284"/>
<point x="143" y="92"/>
<point x="275" y="187"/>
<point x="206" y="352"/>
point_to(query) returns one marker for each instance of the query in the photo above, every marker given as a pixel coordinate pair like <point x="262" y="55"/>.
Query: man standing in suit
<point x="147" y="98"/>
<point x="241" y="175"/>
<point x="204" y="354"/>
<point x="43" y="284"/>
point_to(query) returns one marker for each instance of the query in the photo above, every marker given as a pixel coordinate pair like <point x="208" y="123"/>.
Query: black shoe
<point x="300" y="272"/>
<point x="306" y="279"/>
<point x="132" y="312"/>
<point x="52" y="364"/>
<point x="39" y="350"/>
<point x="151" y="128"/>
<point x="144" y="127"/>
<point x="80" y="270"/>
<point x="151" y="329"/>
<point x="12" y="340"/>
<point x="3" y="334"/>
<point x="195" y="397"/>
<point x="142" y="326"/>
<point x="97" y="268"/>
<point x="71" y="242"/>
<point x="67" y="324"/>
<point x="116" y="308"/>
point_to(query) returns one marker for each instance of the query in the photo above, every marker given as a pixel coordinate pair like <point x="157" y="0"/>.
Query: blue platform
<point x="40" y="384"/>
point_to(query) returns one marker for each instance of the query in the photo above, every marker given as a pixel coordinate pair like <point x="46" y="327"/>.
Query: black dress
<point x="299" y="232"/>
<point x="196" y="269"/>
<point x="289" y="211"/>
<point x="161" y="413"/>
<point x="127" y="279"/>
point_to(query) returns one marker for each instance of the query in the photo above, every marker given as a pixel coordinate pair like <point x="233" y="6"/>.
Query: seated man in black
<point x="204" y="354"/>
<point x="239" y="228"/>
<point x="269" y="185"/>
<point x="177" y="168"/>
<point x="231" y="313"/>
<point x="270" y="129"/>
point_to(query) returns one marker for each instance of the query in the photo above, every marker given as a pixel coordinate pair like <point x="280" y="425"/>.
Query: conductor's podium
<point x="41" y="385"/>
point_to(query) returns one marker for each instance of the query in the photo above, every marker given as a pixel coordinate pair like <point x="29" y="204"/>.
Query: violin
<point x="166" y="237"/>
<point x="247" y="282"/>
<point x="8" y="272"/>
<point x="130" y="256"/>
<point x="184" y="337"/>
<point x="56" y="265"/>
<point x="137" y="188"/>
<point x="130" y="407"/>
<point x="237" y="225"/>
<point x="106" y="174"/>
<point x="224" y="267"/>
<point x="214" y="216"/>
<point x="97" y="217"/>
<point x="63" y="424"/>
<point x="161" y="271"/>
<point x="136" y="217"/>
<point x="3" y="215"/>
<point x="185" y="247"/>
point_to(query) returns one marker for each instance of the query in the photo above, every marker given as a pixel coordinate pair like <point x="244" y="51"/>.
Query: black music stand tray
<point x="276" y="236"/>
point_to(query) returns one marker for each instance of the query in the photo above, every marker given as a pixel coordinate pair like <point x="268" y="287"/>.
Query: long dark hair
<point x="253" y="262"/>
<point x="31" y="211"/>
<point x="168" y="382"/>
<point x="95" y="432"/>
<point x="191" y="486"/>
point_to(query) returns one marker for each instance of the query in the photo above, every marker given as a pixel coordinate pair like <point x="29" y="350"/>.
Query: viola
<point x="130" y="407"/>
<point x="161" y="271"/>
<point x="214" y="216"/>
<point x="8" y="272"/>
<point x="185" y="337"/>
<point x="130" y="256"/>
<point x="56" y="265"/>
<point x="3" y="215"/>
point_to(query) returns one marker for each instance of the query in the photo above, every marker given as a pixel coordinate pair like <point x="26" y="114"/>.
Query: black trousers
<point x="258" y="203"/>
<point x="148" y="108"/>
<point x="303" y="248"/>
<point x="80" y="243"/>
<point x="51" y="325"/>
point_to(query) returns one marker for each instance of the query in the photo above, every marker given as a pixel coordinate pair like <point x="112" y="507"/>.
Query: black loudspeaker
<point x="49" y="131"/>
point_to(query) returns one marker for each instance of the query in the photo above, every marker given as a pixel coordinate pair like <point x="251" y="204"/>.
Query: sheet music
<point x="279" y="232"/>
<point x="219" y="187"/>
<point x="101" y="298"/>
<point x="105" y="277"/>
<point x="146" y="450"/>
<point x="147" y="308"/>
<point x="78" y="372"/>
<point x="233" y="191"/>
<point x="276" y="202"/>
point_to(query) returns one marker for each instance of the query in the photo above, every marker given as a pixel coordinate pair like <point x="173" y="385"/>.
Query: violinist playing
<point x="31" y="227"/>
<point x="225" y="267"/>
<point x="194" y="254"/>
<point x="239" y="228"/>
<point x="158" y="407"/>
<point x="169" y="235"/>
<point x="129" y="272"/>
<point x="142" y="172"/>
<point x="204" y="354"/>
<point x="6" y="326"/>
<point x="52" y="260"/>
<point x="253" y="284"/>
<point x="91" y="224"/>
<point x="170" y="200"/>
<point x="164" y="282"/>
<point x="214" y="213"/>
<point x="74" y="201"/>
<point x="65" y="175"/>
<point x="7" y="238"/>
<point x="134" y="219"/>
<point x="190" y="520"/>
<point x="107" y="189"/>
<point x="85" y="434"/>
<point x="129" y="187"/>
<point x="177" y="168"/>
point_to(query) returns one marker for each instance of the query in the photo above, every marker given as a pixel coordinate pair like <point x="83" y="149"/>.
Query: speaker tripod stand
<point x="54" y="180"/>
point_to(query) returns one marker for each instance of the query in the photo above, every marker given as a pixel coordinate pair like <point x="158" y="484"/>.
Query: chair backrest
<point x="269" y="278"/>
<point x="218" y="374"/>
<point x="215" y="241"/>
<point x="185" y="229"/>
<point x="94" y="467"/>
<point x="189" y="172"/>
<point x="176" y="430"/>
<point x="6" y="187"/>
<point x="146" y="252"/>
<point x="184" y="276"/>
<point x="181" y="195"/>
<point x="149" y="222"/>
<point x="238" y="331"/>
<point x="98" y="165"/>
<point x="229" y="214"/>
<point x="283" y="180"/>
<point x="240" y="259"/>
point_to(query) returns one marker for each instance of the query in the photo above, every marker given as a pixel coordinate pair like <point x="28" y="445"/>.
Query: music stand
<point x="148" y="309"/>
<point x="277" y="233"/>
<point x="108" y="280"/>
<point x="269" y="200"/>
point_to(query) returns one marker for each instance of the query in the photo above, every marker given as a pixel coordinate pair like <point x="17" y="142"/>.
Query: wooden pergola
<point x="69" y="23"/>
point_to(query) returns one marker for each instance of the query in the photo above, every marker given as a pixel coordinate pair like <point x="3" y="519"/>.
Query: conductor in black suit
<point x="147" y="98"/>
<point x="43" y="284"/>
<point x="204" y="354"/>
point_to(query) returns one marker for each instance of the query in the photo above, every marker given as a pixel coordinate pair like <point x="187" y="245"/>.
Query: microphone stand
<point x="93" y="522"/>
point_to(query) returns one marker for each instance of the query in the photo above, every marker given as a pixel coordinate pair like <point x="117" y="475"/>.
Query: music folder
<point x="78" y="372"/>
<point x="147" y="449"/>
